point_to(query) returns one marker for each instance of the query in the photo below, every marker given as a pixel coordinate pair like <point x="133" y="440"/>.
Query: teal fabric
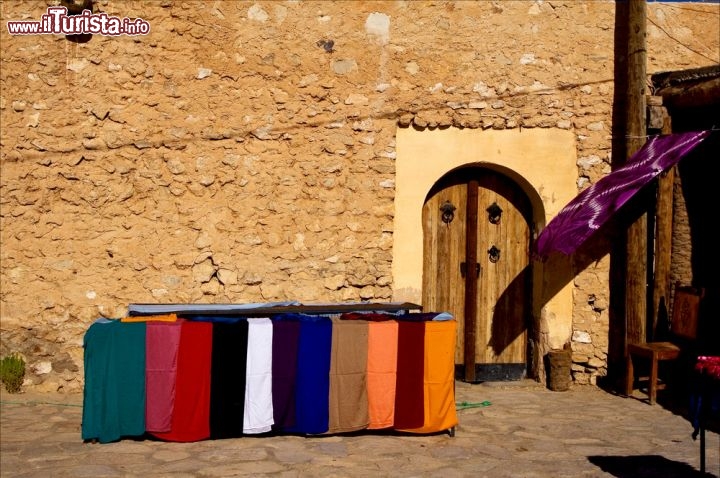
<point x="114" y="393"/>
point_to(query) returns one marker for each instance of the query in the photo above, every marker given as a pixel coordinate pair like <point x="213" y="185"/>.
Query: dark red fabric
<point x="409" y="393"/>
<point x="191" y="413"/>
<point x="371" y="316"/>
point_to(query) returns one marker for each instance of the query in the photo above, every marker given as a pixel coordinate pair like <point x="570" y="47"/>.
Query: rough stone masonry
<point x="244" y="151"/>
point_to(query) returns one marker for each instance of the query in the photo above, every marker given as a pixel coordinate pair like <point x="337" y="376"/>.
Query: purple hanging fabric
<point x="582" y="216"/>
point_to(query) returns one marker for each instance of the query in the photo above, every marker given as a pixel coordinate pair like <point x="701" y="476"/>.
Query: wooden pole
<point x="663" y="239"/>
<point x="636" y="277"/>
<point x="471" y="278"/>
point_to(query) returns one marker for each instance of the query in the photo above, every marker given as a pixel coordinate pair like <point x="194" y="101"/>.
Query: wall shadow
<point x="697" y="173"/>
<point x="506" y="325"/>
<point x="646" y="466"/>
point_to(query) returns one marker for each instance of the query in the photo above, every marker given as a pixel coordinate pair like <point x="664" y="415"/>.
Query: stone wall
<point x="244" y="151"/>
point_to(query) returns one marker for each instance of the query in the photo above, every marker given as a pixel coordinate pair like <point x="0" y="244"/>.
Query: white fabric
<point x="258" y="416"/>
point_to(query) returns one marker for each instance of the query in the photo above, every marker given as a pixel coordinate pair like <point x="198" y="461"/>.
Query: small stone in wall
<point x="527" y="59"/>
<point x="377" y="25"/>
<point x="211" y="288"/>
<point x="41" y="368"/>
<point x="335" y="282"/>
<point x="257" y="13"/>
<point x="343" y="67"/>
<point x="581" y="337"/>
<point x="596" y="363"/>
<point x="412" y="68"/>
<point x="77" y="65"/>
<point x="367" y="292"/>
<point x="227" y="277"/>
<point x="203" y="271"/>
<point x="203" y="73"/>
<point x="387" y="183"/>
<point x="356" y="99"/>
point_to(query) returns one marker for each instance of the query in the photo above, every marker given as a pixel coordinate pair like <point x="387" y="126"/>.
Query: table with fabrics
<point x="195" y="377"/>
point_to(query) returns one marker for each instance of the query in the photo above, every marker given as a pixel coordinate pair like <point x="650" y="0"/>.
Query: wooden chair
<point x="683" y="335"/>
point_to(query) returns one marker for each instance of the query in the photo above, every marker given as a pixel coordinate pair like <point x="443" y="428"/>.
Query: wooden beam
<point x="696" y="95"/>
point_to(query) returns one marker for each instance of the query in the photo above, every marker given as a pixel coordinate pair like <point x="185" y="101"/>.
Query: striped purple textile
<point x="590" y="209"/>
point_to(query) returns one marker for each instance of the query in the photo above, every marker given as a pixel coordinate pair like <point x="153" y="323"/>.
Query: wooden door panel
<point x="444" y="246"/>
<point x="502" y="306"/>
<point x="502" y="288"/>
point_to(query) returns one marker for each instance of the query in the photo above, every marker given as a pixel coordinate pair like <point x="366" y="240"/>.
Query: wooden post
<point x="663" y="236"/>
<point x="636" y="277"/>
<point x="471" y="278"/>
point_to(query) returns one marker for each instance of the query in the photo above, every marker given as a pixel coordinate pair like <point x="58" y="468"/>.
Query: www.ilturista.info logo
<point x="57" y="22"/>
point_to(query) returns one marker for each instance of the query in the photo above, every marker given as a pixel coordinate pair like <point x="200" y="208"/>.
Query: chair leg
<point x="629" y="375"/>
<point x="652" y="386"/>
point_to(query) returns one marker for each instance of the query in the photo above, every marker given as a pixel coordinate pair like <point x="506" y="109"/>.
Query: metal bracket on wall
<point x="463" y="269"/>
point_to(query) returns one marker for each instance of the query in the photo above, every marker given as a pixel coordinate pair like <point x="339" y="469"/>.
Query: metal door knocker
<point x="494" y="213"/>
<point x="494" y="254"/>
<point x="448" y="212"/>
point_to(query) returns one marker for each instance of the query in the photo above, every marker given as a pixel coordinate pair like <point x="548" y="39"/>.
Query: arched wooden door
<point x="476" y="238"/>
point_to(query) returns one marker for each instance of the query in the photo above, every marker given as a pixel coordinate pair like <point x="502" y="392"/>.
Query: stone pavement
<point x="525" y="431"/>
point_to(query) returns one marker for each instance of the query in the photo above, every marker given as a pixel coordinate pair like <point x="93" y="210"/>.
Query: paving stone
<point x="525" y="431"/>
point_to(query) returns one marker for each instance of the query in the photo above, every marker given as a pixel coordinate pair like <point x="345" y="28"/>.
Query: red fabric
<point x="191" y="413"/>
<point x="162" y="340"/>
<point x="709" y="365"/>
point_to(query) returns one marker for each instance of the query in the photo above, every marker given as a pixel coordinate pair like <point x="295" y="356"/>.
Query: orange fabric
<point x="150" y="318"/>
<point x="439" y="377"/>
<point x="382" y="373"/>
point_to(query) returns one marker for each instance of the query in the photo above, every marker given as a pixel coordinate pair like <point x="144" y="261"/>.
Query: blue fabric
<point x="704" y="402"/>
<point x="312" y="392"/>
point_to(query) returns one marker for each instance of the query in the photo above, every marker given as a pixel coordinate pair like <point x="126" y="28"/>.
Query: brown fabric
<point x="348" y="401"/>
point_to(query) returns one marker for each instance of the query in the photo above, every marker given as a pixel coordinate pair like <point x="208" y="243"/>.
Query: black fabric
<point x="228" y="375"/>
